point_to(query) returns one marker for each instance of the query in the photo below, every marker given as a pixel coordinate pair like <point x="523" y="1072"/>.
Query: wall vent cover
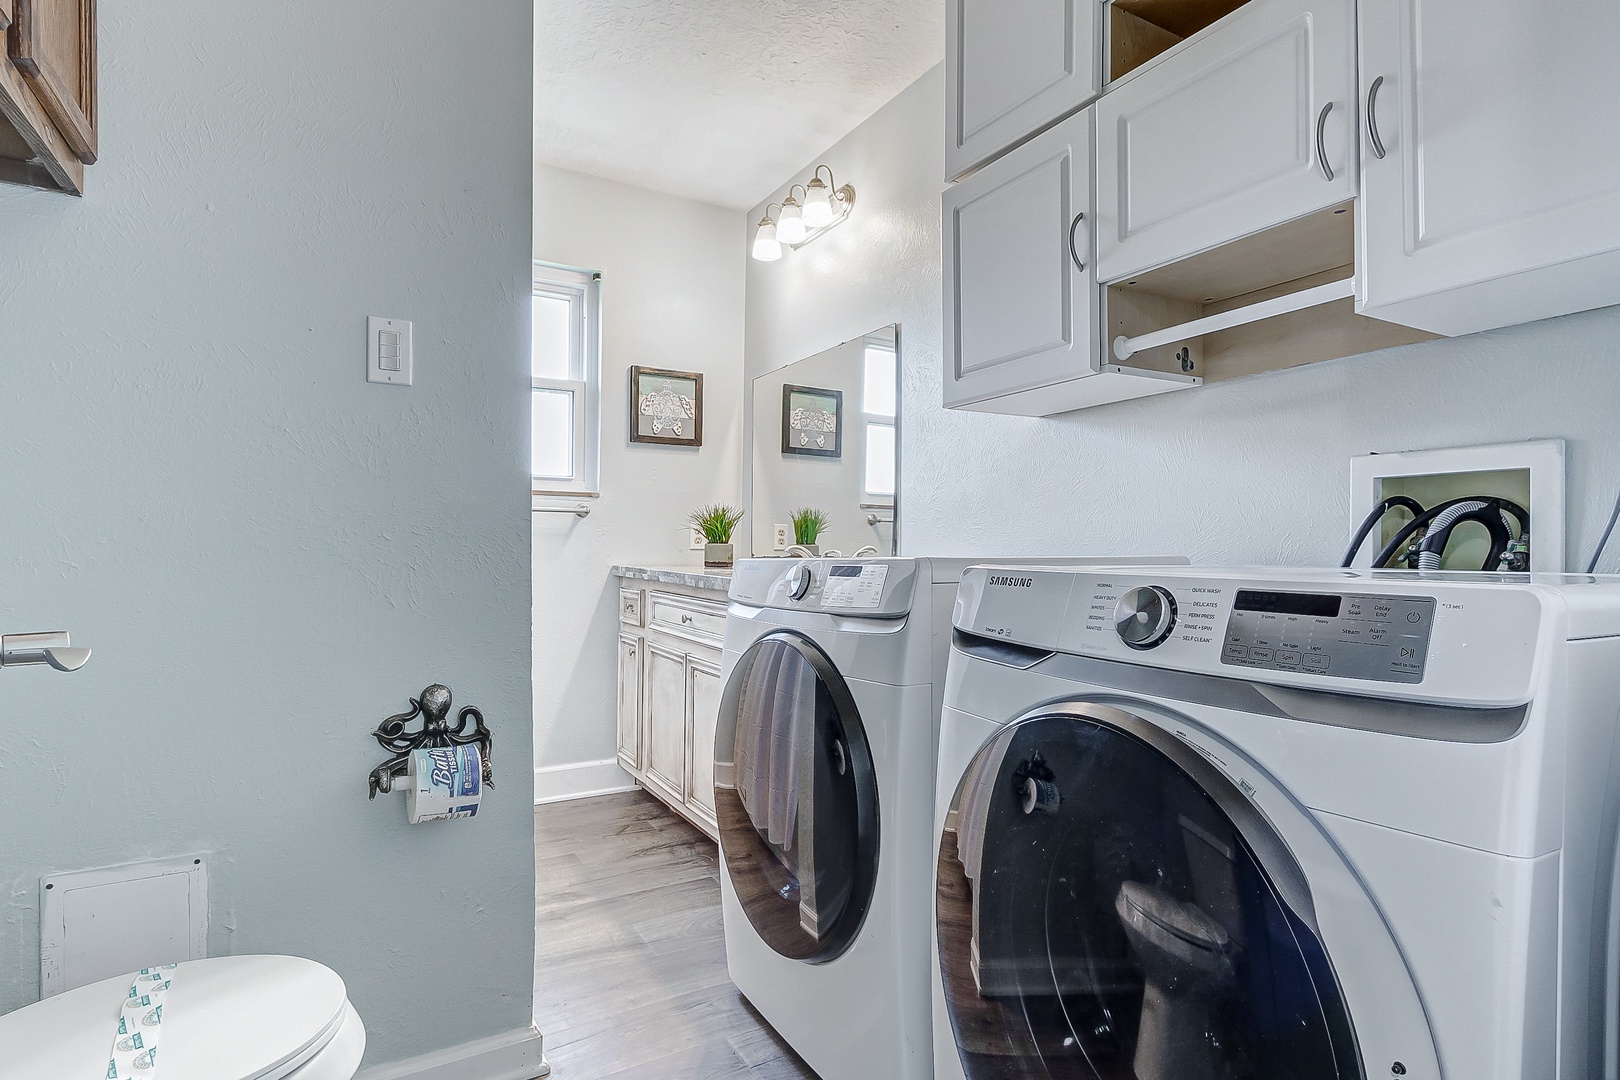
<point x="95" y="924"/>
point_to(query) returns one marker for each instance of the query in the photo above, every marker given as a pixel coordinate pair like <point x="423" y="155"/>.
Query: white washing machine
<point x="1209" y="825"/>
<point x="824" y="789"/>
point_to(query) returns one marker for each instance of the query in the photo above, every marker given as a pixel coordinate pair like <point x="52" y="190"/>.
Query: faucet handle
<point x="53" y="647"/>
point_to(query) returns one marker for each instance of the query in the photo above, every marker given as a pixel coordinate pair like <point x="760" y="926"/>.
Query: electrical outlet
<point x="780" y="534"/>
<point x="697" y="539"/>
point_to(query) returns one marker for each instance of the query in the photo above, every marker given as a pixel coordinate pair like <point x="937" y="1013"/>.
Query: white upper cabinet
<point x="1020" y="299"/>
<point x="1491" y="162"/>
<point x="1011" y="69"/>
<point x="1249" y="123"/>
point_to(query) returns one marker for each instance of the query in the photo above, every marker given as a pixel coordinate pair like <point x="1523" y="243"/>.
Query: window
<point x="565" y="371"/>
<point x="878" y="388"/>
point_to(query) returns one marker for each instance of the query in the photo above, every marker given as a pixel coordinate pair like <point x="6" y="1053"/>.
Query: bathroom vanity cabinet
<point x="48" y="93"/>
<point x="671" y="631"/>
<point x="1270" y="183"/>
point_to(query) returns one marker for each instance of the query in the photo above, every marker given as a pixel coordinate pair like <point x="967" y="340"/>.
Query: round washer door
<point x="796" y="797"/>
<point x="1109" y="904"/>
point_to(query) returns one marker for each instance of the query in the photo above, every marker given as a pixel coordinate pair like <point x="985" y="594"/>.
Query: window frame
<point x="872" y="499"/>
<point x="582" y="289"/>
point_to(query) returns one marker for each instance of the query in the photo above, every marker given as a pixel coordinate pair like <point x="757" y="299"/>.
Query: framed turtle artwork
<point x="812" y="421"/>
<point x="666" y="407"/>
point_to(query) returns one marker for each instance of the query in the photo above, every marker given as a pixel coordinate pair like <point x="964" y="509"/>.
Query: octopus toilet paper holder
<point x="434" y="709"/>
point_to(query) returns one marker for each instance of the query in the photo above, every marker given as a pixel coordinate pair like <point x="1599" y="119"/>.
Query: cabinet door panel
<point x="53" y="43"/>
<point x="630" y="702"/>
<point x="703" y="689"/>
<point x="1502" y="138"/>
<point x="1218" y="140"/>
<point x="664" y="720"/>
<point x="1020" y="312"/>
<point x="1012" y="69"/>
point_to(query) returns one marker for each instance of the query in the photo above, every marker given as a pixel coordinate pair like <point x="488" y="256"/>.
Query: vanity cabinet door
<point x="1247" y="126"/>
<point x="1020" y="300"/>
<point x="664" y="720"/>
<point x="1012" y="69"/>
<point x="1491" y="161"/>
<point x="630" y="649"/>
<point x="703" y="688"/>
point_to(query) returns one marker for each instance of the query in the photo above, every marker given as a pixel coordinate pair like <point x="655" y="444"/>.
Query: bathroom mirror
<point x="826" y="436"/>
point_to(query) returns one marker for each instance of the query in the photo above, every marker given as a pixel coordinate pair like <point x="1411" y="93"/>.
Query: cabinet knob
<point x="686" y="620"/>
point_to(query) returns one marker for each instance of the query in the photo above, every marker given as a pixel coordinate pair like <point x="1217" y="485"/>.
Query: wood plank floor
<point x="630" y="958"/>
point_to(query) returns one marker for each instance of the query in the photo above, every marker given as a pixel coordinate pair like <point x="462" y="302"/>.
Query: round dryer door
<point x="1110" y="906"/>
<point x="796" y="797"/>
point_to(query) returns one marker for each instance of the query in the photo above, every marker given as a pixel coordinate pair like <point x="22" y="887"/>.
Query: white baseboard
<point x="581" y="780"/>
<point x="514" y="1055"/>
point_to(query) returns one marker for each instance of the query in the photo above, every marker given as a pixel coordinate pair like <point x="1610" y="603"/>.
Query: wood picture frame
<point x="666" y="407"/>
<point x="807" y="430"/>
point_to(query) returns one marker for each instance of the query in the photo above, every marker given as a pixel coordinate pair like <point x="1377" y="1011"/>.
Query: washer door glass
<point x="796" y="798"/>
<point x="1102" y="914"/>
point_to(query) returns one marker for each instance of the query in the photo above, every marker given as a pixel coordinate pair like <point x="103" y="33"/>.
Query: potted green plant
<point x="716" y="523"/>
<point x="808" y="523"/>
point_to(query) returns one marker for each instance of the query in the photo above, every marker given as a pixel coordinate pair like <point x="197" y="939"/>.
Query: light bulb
<point x="790" y="223"/>
<point x="766" y="246"/>
<point x="818" y="208"/>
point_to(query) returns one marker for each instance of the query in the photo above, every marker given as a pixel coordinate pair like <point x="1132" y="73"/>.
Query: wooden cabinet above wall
<point x="48" y="93"/>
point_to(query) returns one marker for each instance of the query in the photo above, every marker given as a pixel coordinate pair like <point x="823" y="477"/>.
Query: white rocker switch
<point x="388" y="351"/>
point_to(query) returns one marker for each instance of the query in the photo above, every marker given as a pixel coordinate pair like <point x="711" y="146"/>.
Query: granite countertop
<point x="693" y="577"/>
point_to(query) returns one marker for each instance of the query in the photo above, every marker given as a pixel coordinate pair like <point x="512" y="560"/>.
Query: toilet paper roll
<point x="442" y="783"/>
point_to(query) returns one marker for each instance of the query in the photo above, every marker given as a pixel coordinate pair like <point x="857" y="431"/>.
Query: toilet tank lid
<point x="226" y="1018"/>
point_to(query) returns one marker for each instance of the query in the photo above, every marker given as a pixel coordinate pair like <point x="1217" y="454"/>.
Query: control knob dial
<point x="1145" y="616"/>
<point x="797" y="581"/>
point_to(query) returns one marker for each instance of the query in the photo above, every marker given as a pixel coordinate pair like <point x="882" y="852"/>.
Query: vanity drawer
<point x="630" y="606"/>
<point x="687" y="616"/>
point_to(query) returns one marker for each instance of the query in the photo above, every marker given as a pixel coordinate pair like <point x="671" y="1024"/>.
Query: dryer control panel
<point x="1380" y="638"/>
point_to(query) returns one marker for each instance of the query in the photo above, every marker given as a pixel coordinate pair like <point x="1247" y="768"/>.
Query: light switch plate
<point x="779" y="534"/>
<point x="388" y="351"/>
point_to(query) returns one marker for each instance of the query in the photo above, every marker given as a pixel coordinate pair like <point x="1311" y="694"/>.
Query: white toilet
<point x="225" y="1018"/>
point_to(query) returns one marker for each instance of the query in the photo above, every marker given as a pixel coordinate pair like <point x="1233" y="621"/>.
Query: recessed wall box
<point x="1529" y="473"/>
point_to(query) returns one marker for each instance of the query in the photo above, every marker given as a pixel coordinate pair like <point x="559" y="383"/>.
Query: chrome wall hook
<point x="54" y="647"/>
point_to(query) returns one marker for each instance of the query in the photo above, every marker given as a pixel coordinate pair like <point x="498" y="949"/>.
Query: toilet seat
<point x="226" y="1018"/>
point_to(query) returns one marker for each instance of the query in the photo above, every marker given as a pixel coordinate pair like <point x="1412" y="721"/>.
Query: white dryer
<point x="1210" y="825"/>
<point x="824" y="790"/>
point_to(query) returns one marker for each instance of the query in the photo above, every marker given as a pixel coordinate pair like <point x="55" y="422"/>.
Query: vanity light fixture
<point x="767" y="248"/>
<point x="790" y="221"/>
<point x="797" y="223"/>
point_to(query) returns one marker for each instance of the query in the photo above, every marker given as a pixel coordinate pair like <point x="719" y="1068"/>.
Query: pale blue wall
<point x="267" y="554"/>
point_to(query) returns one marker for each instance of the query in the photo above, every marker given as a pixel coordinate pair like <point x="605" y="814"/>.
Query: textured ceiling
<point x="718" y="100"/>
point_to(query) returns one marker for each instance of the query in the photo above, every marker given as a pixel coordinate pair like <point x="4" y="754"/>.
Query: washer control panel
<point x="1379" y="638"/>
<point x="1467" y="639"/>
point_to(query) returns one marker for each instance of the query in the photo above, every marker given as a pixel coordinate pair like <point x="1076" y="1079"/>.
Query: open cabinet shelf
<point x="1140" y="30"/>
<point x="1308" y="252"/>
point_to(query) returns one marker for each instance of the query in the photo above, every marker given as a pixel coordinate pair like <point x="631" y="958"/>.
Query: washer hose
<point x="1371" y="521"/>
<point x="1503" y="506"/>
<point x="1439" y="534"/>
